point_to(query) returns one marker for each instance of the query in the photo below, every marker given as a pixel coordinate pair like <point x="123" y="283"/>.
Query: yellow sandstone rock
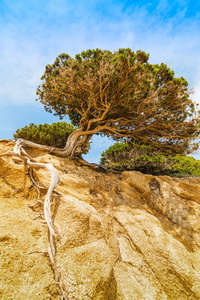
<point x="118" y="236"/>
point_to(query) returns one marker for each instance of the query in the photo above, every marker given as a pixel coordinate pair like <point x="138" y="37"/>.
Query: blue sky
<point x="33" y="33"/>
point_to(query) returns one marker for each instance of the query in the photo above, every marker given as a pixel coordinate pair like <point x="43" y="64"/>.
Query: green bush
<point x="143" y="158"/>
<point x="54" y="135"/>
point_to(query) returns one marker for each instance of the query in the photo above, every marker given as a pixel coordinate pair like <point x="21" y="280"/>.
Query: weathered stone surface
<point x="118" y="236"/>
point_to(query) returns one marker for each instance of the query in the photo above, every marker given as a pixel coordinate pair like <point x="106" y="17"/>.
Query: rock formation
<point x="120" y="236"/>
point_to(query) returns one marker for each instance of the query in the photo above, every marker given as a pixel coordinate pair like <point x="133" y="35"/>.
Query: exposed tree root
<point x="20" y="155"/>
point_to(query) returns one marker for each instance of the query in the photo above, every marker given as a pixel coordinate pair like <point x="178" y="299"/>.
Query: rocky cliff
<point x="118" y="235"/>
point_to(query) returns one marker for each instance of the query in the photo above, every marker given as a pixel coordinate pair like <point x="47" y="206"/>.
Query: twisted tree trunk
<point x="75" y="144"/>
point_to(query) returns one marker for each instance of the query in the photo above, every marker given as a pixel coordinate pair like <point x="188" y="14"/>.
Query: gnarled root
<point x="19" y="154"/>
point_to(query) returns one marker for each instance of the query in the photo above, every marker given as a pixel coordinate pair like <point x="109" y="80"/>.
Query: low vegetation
<point x="54" y="135"/>
<point x="143" y="158"/>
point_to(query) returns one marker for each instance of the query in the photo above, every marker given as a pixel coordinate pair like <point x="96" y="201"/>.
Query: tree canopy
<point x="120" y="95"/>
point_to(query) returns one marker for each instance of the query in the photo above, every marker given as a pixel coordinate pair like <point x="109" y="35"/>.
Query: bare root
<point x="19" y="154"/>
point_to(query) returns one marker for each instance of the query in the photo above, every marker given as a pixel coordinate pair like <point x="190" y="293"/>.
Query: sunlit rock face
<point x="118" y="235"/>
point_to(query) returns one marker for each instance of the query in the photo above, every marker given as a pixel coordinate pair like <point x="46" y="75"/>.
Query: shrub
<point x="143" y="158"/>
<point x="54" y="135"/>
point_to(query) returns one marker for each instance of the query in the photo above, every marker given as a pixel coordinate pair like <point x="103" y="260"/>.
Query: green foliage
<point x="116" y="148"/>
<point x="54" y="135"/>
<point x="186" y="165"/>
<point x="146" y="160"/>
<point x="126" y="150"/>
